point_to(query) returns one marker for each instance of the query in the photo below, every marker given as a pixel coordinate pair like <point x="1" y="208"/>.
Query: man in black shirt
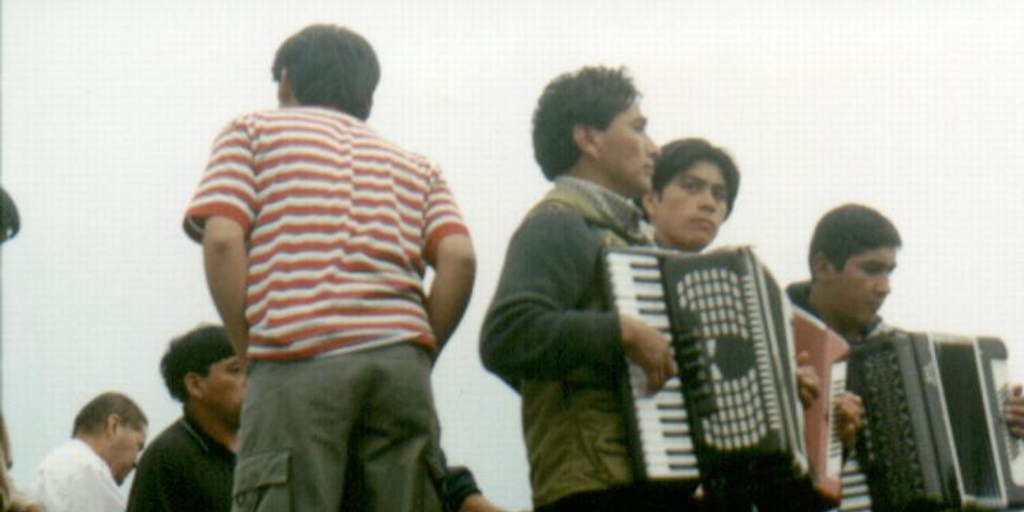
<point x="190" y="465"/>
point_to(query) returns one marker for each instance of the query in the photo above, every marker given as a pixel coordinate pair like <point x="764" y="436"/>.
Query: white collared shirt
<point x="73" y="478"/>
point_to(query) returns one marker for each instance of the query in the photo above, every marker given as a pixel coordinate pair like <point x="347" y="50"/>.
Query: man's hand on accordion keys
<point x="649" y="349"/>
<point x="849" y="415"/>
<point x="1015" y="411"/>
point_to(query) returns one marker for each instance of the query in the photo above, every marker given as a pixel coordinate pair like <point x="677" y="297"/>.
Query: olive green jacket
<point x="550" y="335"/>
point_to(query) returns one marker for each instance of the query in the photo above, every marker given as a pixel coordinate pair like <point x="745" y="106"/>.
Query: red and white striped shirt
<point x="339" y="224"/>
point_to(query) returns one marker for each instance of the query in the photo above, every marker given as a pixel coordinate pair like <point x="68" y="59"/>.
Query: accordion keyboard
<point x="661" y="418"/>
<point x="856" y="495"/>
<point x="835" y="442"/>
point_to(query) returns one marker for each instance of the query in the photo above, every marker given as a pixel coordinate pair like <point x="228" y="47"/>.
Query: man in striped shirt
<point x="316" y="235"/>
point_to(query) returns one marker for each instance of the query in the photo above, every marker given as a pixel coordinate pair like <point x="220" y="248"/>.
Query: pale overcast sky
<point x="109" y="108"/>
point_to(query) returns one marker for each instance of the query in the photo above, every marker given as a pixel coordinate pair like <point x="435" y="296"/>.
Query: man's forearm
<point x="226" y="264"/>
<point x="452" y="287"/>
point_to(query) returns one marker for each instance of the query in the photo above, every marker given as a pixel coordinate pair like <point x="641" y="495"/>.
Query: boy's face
<point x="690" y="209"/>
<point x="860" y="288"/>
<point x="626" y="154"/>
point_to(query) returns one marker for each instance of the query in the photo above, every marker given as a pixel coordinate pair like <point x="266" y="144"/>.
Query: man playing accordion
<point x="852" y="255"/>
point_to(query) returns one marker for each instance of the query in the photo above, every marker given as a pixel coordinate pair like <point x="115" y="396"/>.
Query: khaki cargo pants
<point x="355" y="431"/>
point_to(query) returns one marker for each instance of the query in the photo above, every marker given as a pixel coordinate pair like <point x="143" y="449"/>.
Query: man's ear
<point x="113" y="424"/>
<point x="585" y="138"/>
<point x="821" y="268"/>
<point x="285" y="95"/>
<point x="193" y="384"/>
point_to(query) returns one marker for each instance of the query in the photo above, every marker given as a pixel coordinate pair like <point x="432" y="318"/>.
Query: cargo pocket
<point x="261" y="483"/>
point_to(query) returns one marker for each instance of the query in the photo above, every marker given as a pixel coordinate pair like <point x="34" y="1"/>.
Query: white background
<point x="109" y="109"/>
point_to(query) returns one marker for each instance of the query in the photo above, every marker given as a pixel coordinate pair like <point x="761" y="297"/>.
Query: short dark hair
<point x="330" y="66"/>
<point x="10" y="223"/>
<point x="92" y="419"/>
<point x="591" y="96"/>
<point x="193" y="351"/>
<point x="679" y="156"/>
<point x="849" y="230"/>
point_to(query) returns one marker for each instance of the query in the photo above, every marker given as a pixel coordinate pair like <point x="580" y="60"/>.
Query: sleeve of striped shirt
<point x="442" y="215"/>
<point x="228" y="188"/>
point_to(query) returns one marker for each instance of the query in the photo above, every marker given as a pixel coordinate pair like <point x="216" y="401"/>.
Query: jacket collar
<point x="600" y="206"/>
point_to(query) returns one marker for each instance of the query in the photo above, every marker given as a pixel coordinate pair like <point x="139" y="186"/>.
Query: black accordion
<point x="935" y="437"/>
<point x="734" y="408"/>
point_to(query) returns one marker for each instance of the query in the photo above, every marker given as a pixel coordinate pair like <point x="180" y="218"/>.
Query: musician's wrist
<point x="625" y="330"/>
<point x="628" y="331"/>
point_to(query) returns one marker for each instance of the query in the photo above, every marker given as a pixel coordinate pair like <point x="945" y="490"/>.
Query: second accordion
<point x="734" y="409"/>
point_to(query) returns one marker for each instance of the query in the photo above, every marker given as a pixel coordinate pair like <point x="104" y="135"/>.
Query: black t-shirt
<point x="183" y="470"/>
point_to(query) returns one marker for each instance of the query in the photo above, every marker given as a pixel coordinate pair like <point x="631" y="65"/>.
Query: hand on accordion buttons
<point x="649" y="349"/>
<point x="1015" y="411"/>
<point x="806" y="379"/>
<point x="849" y="416"/>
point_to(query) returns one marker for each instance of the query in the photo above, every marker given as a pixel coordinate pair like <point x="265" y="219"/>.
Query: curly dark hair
<point x="330" y="66"/>
<point x="680" y="155"/>
<point x="193" y="352"/>
<point x="850" y="230"/>
<point x="591" y="96"/>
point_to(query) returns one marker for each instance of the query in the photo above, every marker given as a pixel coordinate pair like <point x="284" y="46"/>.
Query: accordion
<point x="828" y="356"/>
<point x="935" y="437"/>
<point x="733" y="410"/>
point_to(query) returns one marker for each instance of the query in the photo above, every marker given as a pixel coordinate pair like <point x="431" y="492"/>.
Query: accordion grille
<point x="890" y="430"/>
<point x="745" y="412"/>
